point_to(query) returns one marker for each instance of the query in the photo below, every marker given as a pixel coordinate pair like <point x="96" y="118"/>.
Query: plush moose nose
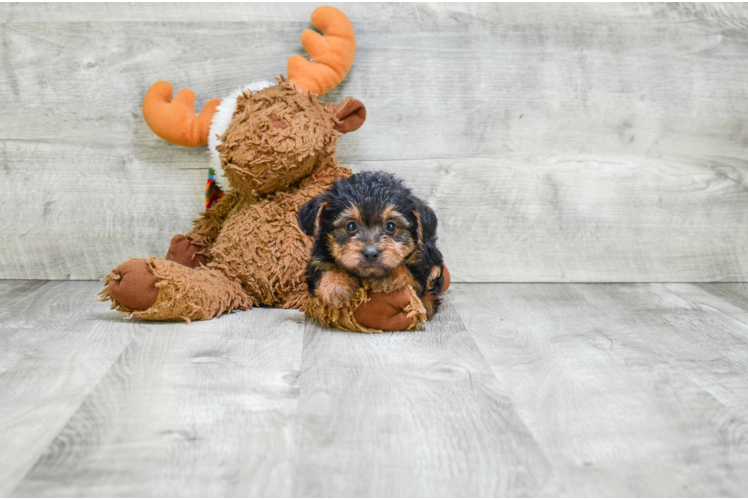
<point x="370" y="254"/>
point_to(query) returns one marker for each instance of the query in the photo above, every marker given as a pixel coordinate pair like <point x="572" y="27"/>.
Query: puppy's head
<point x="368" y="223"/>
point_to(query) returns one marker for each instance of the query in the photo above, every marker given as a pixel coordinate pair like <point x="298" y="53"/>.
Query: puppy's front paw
<point x="336" y="288"/>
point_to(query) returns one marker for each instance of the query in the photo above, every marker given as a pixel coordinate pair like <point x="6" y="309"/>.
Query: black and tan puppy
<point x="369" y="227"/>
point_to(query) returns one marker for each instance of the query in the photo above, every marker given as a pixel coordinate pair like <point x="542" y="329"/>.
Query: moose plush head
<point x="265" y="137"/>
<point x="277" y="135"/>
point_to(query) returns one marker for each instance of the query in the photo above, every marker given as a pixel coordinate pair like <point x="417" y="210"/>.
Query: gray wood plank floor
<point x="514" y="389"/>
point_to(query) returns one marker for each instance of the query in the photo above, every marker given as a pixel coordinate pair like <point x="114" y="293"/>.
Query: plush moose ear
<point x="426" y="223"/>
<point x="308" y="216"/>
<point x="351" y="117"/>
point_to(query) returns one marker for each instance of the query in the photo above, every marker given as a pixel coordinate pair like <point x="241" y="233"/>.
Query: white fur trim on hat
<point x="221" y="121"/>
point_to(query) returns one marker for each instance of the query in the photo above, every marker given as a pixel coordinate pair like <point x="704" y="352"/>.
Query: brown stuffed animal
<point x="275" y="146"/>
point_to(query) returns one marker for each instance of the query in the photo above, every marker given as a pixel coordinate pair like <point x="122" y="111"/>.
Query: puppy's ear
<point x="308" y="216"/>
<point x="425" y="223"/>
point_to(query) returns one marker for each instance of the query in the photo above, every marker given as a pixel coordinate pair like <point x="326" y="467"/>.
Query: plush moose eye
<point x="390" y="227"/>
<point x="351" y="227"/>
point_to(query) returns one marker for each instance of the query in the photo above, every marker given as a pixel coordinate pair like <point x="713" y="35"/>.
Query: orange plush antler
<point x="332" y="54"/>
<point x="175" y="120"/>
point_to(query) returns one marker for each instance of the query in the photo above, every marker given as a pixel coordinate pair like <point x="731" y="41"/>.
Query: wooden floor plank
<point x="513" y="389"/>
<point x="56" y="343"/>
<point x="206" y="409"/>
<point x="616" y="384"/>
<point x="734" y="293"/>
<point x="409" y="414"/>
<point x="699" y="334"/>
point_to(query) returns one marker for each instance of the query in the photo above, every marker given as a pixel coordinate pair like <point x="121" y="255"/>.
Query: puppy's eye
<point x="390" y="227"/>
<point x="351" y="227"/>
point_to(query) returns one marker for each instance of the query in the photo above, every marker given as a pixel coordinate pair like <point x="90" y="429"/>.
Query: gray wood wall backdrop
<point x="589" y="142"/>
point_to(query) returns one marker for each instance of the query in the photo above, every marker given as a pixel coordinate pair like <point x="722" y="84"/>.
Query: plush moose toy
<point x="273" y="149"/>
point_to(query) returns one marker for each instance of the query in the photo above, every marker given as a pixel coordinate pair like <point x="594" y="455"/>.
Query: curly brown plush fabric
<point x="260" y="157"/>
<point x="183" y="251"/>
<point x="397" y="290"/>
<point x="277" y="153"/>
<point x="186" y="294"/>
<point x="261" y="245"/>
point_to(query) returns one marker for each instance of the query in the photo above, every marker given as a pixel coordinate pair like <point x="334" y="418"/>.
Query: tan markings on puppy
<point x="414" y="258"/>
<point x="333" y="246"/>
<point x="320" y="265"/>
<point x="397" y="279"/>
<point x="336" y="288"/>
<point x="349" y="214"/>
<point x="318" y="218"/>
<point x="390" y="213"/>
<point x="433" y="276"/>
<point x="428" y="301"/>
<point x="394" y="252"/>
<point x="349" y="255"/>
<point x="419" y="229"/>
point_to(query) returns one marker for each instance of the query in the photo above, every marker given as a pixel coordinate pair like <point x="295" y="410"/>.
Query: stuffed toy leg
<point x="375" y="309"/>
<point x="171" y="291"/>
<point x="162" y="289"/>
<point x="179" y="287"/>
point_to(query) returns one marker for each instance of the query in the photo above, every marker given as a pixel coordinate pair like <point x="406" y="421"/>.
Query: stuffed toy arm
<point x="190" y="250"/>
<point x="385" y="311"/>
<point x="390" y="311"/>
<point x="206" y="228"/>
<point x="374" y="312"/>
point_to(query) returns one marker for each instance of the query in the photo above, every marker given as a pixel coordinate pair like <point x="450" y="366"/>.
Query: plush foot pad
<point x="183" y="251"/>
<point x="133" y="285"/>
<point x="447" y="279"/>
<point x="384" y="311"/>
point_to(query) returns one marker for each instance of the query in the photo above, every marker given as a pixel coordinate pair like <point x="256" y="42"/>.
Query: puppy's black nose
<point x="370" y="254"/>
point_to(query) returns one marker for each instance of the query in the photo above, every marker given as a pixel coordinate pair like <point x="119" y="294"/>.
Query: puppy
<point x="371" y="231"/>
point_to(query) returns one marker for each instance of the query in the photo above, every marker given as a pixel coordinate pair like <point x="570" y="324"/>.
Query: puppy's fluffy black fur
<point x="373" y="202"/>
